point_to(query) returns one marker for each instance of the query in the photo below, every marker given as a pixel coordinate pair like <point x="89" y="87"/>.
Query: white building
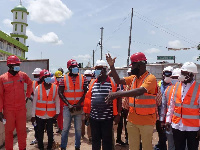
<point x="15" y="44"/>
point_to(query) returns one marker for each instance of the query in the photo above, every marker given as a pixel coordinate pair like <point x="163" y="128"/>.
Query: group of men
<point x="138" y="101"/>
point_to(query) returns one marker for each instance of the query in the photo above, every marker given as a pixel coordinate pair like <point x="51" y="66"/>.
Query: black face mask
<point x="135" y="71"/>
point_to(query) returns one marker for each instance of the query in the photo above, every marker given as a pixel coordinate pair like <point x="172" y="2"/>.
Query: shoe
<point x="126" y="142"/>
<point x="77" y="148"/>
<point x="59" y="131"/>
<point x="90" y="139"/>
<point x="120" y="142"/>
<point x="34" y="142"/>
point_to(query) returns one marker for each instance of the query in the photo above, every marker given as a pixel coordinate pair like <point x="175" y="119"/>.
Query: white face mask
<point x="168" y="79"/>
<point x="182" y="78"/>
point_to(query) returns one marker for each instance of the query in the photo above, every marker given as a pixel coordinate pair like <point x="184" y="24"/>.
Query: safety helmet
<point x="44" y="73"/>
<point x="58" y="74"/>
<point x="88" y="72"/>
<point x="37" y="71"/>
<point x="176" y="72"/>
<point x="168" y="68"/>
<point x="139" y="56"/>
<point x="101" y="63"/>
<point x="72" y="62"/>
<point x="129" y="70"/>
<point x="12" y="60"/>
<point x="189" y="67"/>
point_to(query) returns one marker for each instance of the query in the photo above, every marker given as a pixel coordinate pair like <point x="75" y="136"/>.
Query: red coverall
<point x="13" y="104"/>
<point x="60" y="116"/>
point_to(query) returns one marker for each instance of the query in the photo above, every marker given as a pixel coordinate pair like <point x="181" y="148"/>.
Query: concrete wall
<point x="26" y="66"/>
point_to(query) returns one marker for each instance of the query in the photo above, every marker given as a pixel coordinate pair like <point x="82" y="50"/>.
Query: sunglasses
<point x="167" y="74"/>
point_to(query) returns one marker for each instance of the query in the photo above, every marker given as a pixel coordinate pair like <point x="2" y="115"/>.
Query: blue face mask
<point x="16" y="68"/>
<point x="48" y="80"/>
<point x="36" y="79"/>
<point x="97" y="73"/>
<point x="75" y="70"/>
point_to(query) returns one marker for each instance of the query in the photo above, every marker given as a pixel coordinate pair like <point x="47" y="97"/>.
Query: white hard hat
<point x="176" y="72"/>
<point x="88" y="72"/>
<point x="189" y="67"/>
<point x="93" y="71"/>
<point x="101" y="63"/>
<point x="37" y="71"/>
<point x="168" y="68"/>
<point x="129" y="70"/>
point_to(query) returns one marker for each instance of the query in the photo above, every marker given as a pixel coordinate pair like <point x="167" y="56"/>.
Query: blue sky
<point x="65" y="29"/>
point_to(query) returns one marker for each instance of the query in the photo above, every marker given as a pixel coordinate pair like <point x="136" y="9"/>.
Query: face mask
<point x="36" y="79"/>
<point x="135" y="71"/>
<point x="174" y="81"/>
<point x="52" y="80"/>
<point x="168" y="79"/>
<point x="16" y="68"/>
<point x="182" y="78"/>
<point x="97" y="73"/>
<point x="48" y="80"/>
<point x="75" y="70"/>
<point x="88" y="78"/>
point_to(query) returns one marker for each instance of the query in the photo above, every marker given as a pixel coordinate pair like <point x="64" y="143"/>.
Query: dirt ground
<point x="85" y="145"/>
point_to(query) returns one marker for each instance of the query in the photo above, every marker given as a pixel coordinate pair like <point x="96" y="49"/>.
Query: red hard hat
<point x="72" y="62"/>
<point x="12" y="60"/>
<point x="139" y="56"/>
<point x="44" y="73"/>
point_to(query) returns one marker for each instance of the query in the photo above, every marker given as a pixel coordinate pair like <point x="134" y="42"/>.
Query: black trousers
<point x="124" y="114"/>
<point x="49" y="127"/>
<point x="180" y="138"/>
<point x="101" y="131"/>
<point x="162" y="136"/>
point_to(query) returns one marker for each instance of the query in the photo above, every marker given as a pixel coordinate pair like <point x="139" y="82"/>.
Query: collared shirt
<point x="35" y="98"/>
<point x="12" y="93"/>
<point x="150" y="84"/>
<point x="180" y="126"/>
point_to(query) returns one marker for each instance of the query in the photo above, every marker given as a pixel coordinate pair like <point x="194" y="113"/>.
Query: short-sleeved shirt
<point x="150" y="84"/>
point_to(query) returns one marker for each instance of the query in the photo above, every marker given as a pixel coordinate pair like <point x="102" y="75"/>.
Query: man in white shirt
<point x="183" y="112"/>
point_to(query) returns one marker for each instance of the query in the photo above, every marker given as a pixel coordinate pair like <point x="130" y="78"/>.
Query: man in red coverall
<point x="13" y="103"/>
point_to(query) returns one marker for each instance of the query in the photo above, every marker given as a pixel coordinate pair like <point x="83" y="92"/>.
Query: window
<point x="15" y="27"/>
<point x="22" y="15"/>
<point x="22" y="28"/>
<point x="14" y="51"/>
<point x="1" y="45"/>
<point x="16" y="15"/>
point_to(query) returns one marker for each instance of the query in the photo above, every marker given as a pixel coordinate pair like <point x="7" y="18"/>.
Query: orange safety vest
<point x="34" y="85"/>
<point x="168" y="94"/>
<point x="188" y="110"/>
<point x="144" y="104"/>
<point x="73" y="93"/>
<point x="46" y="104"/>
<point x="87" y="101"/>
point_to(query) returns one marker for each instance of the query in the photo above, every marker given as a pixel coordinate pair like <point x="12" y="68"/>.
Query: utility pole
<point x="93" y="58"/>
<point x="101" y="42"/>
<point x="129" y="46"/>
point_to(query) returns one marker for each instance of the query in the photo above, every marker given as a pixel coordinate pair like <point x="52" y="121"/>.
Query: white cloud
<point x="115" y="47"/>
<point x="85" y="57"/>
<point x="152" y="50"/>
<point x="175" y="44"/>
<point x="50" y="37"/>
<point x="48" y="11"/>
<point x="7" y="23"/>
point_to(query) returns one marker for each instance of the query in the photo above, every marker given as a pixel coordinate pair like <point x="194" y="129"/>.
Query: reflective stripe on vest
<point x="76" y="90"/>
<point x="8" y="82"/>
<point x="167" y="95"/>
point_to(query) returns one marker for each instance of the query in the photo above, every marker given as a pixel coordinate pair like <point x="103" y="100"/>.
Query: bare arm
<point x="60" y="92"/>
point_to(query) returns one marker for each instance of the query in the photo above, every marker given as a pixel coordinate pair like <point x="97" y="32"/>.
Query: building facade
<point x="15" y="43"/>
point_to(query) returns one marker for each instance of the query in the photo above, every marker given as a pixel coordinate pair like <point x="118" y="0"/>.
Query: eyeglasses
<point x="167" y="74"/>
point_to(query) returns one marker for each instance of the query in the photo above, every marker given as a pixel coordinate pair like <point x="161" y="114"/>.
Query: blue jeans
<point x="66" y="126"/>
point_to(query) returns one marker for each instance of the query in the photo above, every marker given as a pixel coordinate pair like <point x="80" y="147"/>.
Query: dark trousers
<point x="180" y="138"/>
<point x="162" y="136"/>
<point x="124" y="114"/>
<point x="101" y="131"/>
<point x="36" y="132"/>
<point x="49" y="127"/>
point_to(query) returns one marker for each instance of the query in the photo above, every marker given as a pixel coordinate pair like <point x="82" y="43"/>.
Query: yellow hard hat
<point x="58" y="74"/>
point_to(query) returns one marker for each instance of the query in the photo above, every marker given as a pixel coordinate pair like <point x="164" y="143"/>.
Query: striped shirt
<point x="99" y="109"/>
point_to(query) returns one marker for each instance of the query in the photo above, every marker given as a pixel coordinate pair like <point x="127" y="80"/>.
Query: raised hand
<point x="110" y="60"/>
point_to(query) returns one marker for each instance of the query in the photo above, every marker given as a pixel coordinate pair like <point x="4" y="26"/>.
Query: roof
<point x="20" y="8"/>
